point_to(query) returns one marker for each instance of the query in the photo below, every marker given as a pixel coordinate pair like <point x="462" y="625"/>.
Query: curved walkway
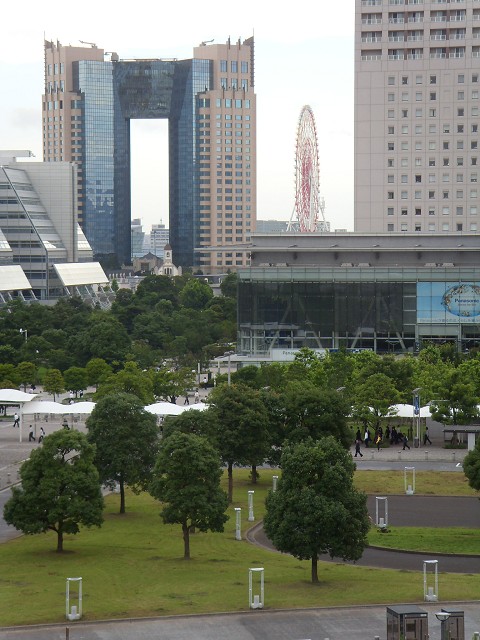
<point x="414" y="511"/>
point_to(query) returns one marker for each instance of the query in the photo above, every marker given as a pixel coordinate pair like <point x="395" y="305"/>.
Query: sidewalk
<point x="395" y="453"/>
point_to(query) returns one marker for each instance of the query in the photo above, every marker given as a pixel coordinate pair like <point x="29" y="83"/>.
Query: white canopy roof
<point x="13" y="278"/>
<point x="79" y="273"/>
<point x="47" y="406"/>
<point x="14" y="396"/>
<point x="164" y="409"/>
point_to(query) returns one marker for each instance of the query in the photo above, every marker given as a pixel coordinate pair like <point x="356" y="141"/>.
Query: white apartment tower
<point x="417" y="101"/>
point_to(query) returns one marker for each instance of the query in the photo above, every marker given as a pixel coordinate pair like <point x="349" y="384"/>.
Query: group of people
<point x="31" y="434"/>
<point x="391" y="435"/>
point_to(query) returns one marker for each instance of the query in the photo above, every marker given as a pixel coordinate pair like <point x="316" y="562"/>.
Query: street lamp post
<point x="229" y="354"/>
<point x="416" y="415"/>
<point x="443" y="616"/>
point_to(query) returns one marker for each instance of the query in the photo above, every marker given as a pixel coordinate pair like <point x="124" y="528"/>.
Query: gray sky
<point x="303" y="55"/>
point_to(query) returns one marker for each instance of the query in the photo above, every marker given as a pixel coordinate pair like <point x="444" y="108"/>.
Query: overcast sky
<point x="303" y="55"/>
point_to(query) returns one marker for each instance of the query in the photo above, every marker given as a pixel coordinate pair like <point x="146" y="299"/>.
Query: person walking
<point x="42" y="435"/>
<point x="405" y="443"/>
<point x="31" y="434"/>
<point x="16" y="420"/>
<point x="426" y="437"/>
<point x="358" y="441"/>
<point x="366" y="437"/>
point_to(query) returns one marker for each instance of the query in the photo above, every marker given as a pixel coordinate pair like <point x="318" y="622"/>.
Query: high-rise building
<point x="159" y="237"/>
<point x="209" y="101"/>
<point x="417" y="101"/>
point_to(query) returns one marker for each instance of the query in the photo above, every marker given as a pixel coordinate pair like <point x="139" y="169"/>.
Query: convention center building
<point x="389" y="293"/>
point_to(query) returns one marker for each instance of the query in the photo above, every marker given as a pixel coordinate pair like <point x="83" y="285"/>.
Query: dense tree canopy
<point x="60" y="488"/>
<point x="316" y="508"/>
<point x="126" y="438"/>
<point x="186" y="479"/>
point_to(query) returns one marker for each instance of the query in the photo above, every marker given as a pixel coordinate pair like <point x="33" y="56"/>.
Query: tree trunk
<point x="230" y="482"/>
<point x="186" y="541"/>
<point x="254" y="474"/>
<point x="59" y="541"/>
<point x="122" y="495"/>
<point x="314" y="569"/>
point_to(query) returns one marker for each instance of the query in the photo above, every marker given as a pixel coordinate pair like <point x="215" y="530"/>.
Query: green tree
<point x="196" y="294"/>
<point x="131" y="379"/>
<point x="75" y="379"/>
<point x="97" y="370"/>
<point x="458" y="404"/>
<point x="374" y="398"/>
<point x="239" y="423"/>
<point x="196" y="422"/>
<point x="316" y="508"/>
<point x="471" y="467"/>
<point x="169" y="384"/>
<point x="186" y="479"/>
<point x="228" y="286"/>
<point x="126" y="439"/>
<point x="315" y="412"/>
<point x="26" y="372"/>
<point x="53" y="382"/>
<point x="60" y="488"/>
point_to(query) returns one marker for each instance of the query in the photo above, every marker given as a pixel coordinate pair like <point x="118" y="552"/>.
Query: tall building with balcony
<point x="209" y="101"/>
<point x="417" y="101"/>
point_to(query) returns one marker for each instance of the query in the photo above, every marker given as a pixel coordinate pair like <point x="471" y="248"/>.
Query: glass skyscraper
<point x="209" y="102"/>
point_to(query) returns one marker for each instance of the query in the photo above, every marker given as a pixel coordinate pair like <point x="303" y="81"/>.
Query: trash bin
<point x="416" y="442"/>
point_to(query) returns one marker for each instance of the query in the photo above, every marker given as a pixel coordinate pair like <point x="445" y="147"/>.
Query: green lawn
<point x="133" y="566"/>
<point x="450" y="540"/>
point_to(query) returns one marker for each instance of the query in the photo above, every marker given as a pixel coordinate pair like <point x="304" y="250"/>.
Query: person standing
<point x="366" y="437"/>
<point x="357" y="448"/>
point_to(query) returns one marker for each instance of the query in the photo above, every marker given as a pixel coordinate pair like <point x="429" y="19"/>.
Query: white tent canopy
<point x="43" y="406"/>
<point x="14" y="396"/>
<point x="164" y="409"/>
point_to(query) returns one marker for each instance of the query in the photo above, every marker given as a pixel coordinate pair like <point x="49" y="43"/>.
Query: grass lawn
<point x="133" y="566"/>
<point x="427" y="483"/>
<point x="437" y="540"/>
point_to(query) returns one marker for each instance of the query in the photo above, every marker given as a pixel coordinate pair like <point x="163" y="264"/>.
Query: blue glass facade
<point x="112" y="94"/>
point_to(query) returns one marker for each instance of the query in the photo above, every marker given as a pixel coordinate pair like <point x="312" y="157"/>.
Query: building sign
<point x="288" y="355"/>
<point x="448" y="302"/>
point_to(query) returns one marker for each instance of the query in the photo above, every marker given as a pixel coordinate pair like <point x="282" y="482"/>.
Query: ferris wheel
<point x="308" y="204"/>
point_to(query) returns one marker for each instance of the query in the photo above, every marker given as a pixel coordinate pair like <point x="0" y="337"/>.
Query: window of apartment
<point x="418" y="96"/>
<point x="473" y="161"/>
<point x="473" y="177"/>
<point x="390" y="227"/>
<point x="418" y="211"/>
<point x="390" y="211"/>
<point x="431" y="226"/>
<point x="418" y="178"/>
<point x="404" y="212"/>
<point x="473" y="193"/>
<point x="404" y="129"/>
<point x="445" y="226"/>
<point x="446" y="162"/>
<point x="473" y="210"/>
<point x="461" y="78"/>
<point x="431" y="211"/>
<point x="418" y="226"/>
<point x="404" y="179"/>
<point x="418" y="195"/>
<point x="390" y="162"/>
<point x="391" y="80"/>
<point x="459" y="193"/>
<point x="418" y="79"/>
<point x="461" y="95"/>
<point x="432" y="113"/>
<point x="445" y="211"/>
<point x="418" y="113"/>
<point x="404" y="79"/>
<point x="418" y="129"/>
<point x="475" y="77"/>
<point x="391" y="146"/>
<point x="432" y="145"/>
<point x="474" y="111"/>
<point x="473" y="226"/>
<point x="432" y="177"/>
<point x="446" y="194"/>
<point x="474" y="144"/>
<point x="391" y="113"/>
<point x="474" y="128"/>
<point x="391" y="130"/>
<point x="445" y="145"/>
<point x="390" y="179"/>
<point x="404" y="146"/>
<point x="460" y="112"/>
<point x="446" y="177"/>
<point x="404" y="195"/>
<point x="404" y="113"/>
<point x="404" y="162"/>
<point x="475" y="95"/>
<point x="433" y="79"/>
<point x="459" y="177"/>
<point x="459" y="211"/>
<point x="390" y="195"/>
<point x="404" y="96"/>
<point x="432" y="128"/>
<point x="403" y="227"/>
<point x="433" y="95"/>
<point x="431" y="162"/>
<point x="418" y="162"/>
<point x="418" y="145"/>
<point x="391" y="97"/>
<point x="431" y="195"/>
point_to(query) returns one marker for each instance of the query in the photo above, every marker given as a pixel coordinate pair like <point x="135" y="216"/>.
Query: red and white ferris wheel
<point x="308" y="205"/>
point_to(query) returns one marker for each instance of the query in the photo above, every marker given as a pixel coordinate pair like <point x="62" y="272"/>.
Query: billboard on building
<point x="448" y="302"/>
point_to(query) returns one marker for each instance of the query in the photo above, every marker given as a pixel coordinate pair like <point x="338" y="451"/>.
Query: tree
<point x="26" y="372"/>
<point x="131" y="379"/>
<point x="97" y="370"/>
<point x="239" y="423"/>
<point x="75" y="379"/>
<point x="196" y="422"/>
<point x="314" y="412"/>
<point x="374" y="398"/>
<point x="126" y="438"/>
<point x="316" y="508"/>
<point x="53" y="382"/>
<point x="196" y="294"/>
<point x="186" y="479"/>
<point x="459" y="402"/>
<point x="471" y="467"/>
<point x="60" y="488"/>
<point x="228" y="286"/>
